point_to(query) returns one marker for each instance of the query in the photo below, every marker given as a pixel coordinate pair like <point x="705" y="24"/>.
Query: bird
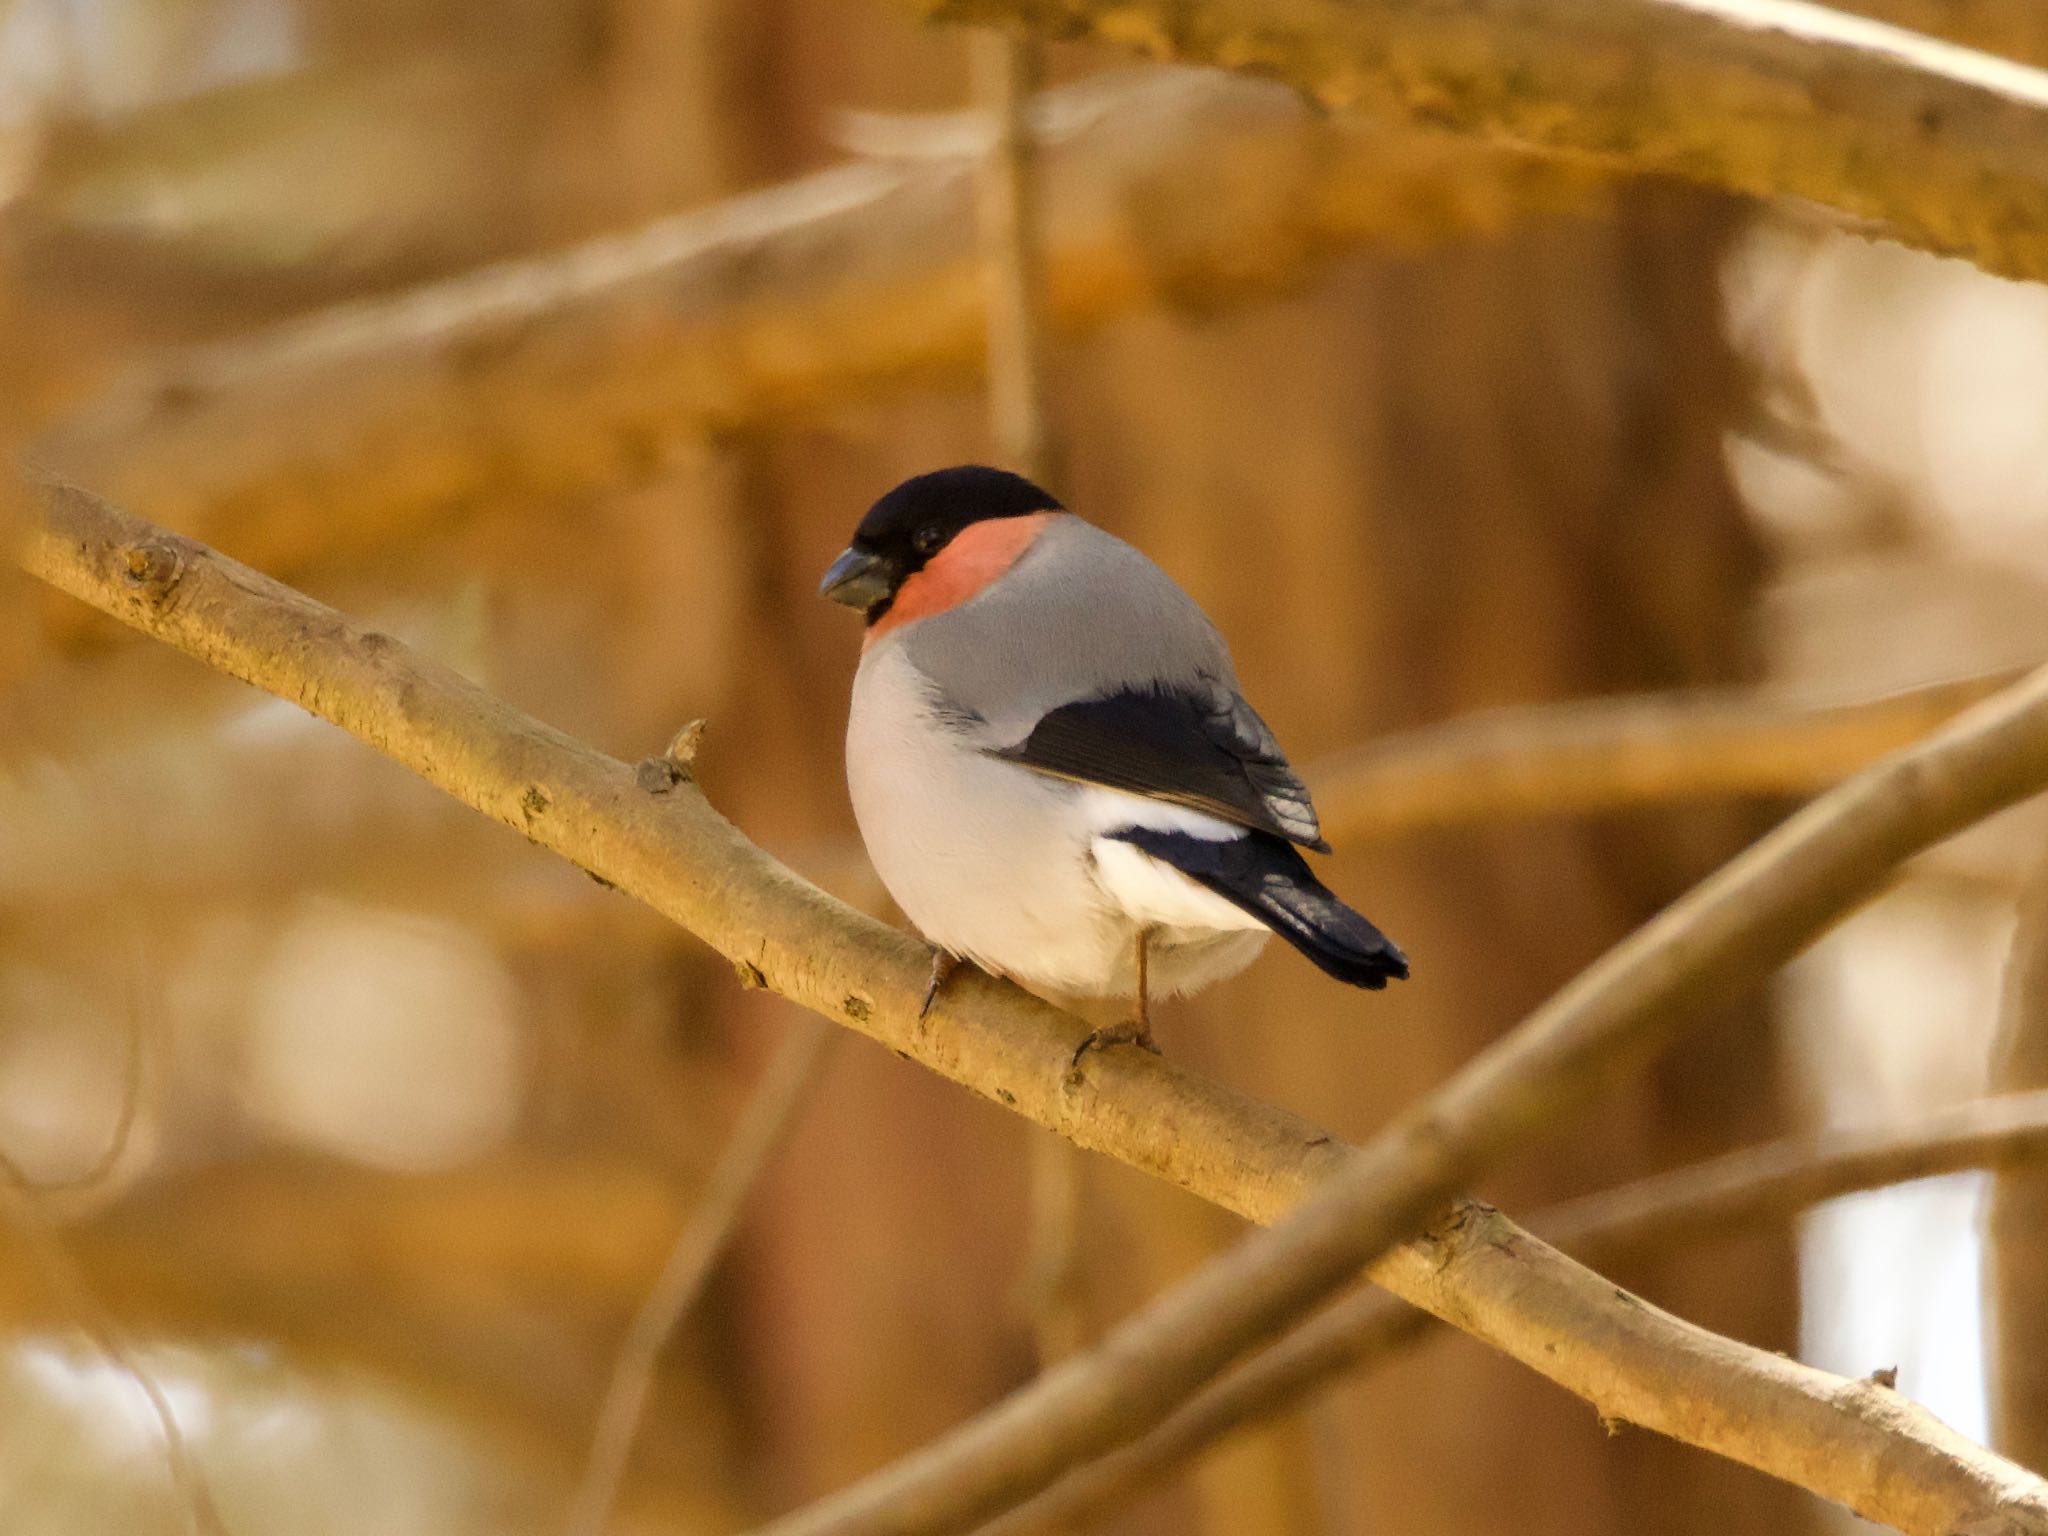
<point x="1053" y="767"/>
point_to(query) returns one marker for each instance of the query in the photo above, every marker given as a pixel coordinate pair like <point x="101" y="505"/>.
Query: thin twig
<point x="23" y="1199"/>
<point x="1330" y="1465"/>
<point x="1005" y="72"/>
<point x="764" y="1124"/>
<point x="89" y="1179"/>
<point x="663" y="843"/>
<point x="2016" y="1260"/>
<point x="1746" y="1188"/>
<point x="64" y="1278"/>
<point x="1050" y="1293"/>
<point x="62" y="1275"/>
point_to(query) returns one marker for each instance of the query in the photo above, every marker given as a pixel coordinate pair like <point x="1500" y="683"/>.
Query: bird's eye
<point x="927" y="539"/>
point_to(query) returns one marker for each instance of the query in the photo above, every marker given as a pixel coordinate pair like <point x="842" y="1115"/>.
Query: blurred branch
<point x="1607" y="754"/>
<point x="1005" y="71"/>
<point x="763" y="1126"/>
<point x="1756" y="1185"/>
<point x="182" y="811"/>
<point x="1946" y="148"/>
<point x="185" y="812"/>
<point x="1784" y="1177"/>
<point x="1049" y="1291"/>
<point x="567" y="372"/>
<point x="328" y="173"/>
<point x="431" y="1281"/>
<point x="652" y="834"/>
<point x="2016" y="1217"/>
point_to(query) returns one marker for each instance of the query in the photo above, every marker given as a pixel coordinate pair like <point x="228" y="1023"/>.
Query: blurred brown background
<point x="1426" y="428"/>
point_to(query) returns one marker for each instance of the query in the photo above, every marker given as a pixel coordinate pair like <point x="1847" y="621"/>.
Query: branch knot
<point x="153" y="569"/>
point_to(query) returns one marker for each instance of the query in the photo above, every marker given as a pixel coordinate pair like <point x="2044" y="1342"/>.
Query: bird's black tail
<point x="1266" y="877"/>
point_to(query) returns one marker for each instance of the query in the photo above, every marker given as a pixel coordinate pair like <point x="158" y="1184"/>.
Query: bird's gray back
<point x="1082" y="614"/>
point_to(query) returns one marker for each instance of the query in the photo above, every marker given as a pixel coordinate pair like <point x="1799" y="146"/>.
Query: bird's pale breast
<point x="994" y="861"/>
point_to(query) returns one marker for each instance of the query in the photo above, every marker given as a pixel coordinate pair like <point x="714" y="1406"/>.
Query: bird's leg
<point x="1133" y="1031"/>
<point x="944" y="963"/>
<point x="1144" y="1020"/>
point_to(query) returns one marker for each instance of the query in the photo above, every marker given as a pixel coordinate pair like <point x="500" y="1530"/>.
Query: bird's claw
<point x="1130" y="1032"/>
<point x="943" y="965"/>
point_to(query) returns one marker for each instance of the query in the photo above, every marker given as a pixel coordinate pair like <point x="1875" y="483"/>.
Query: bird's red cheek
<point x="977" y="555"/>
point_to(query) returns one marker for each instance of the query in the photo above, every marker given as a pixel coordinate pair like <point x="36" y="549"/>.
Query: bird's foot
<point x="1130" y="1032"/>
<point x="944" y="964"/>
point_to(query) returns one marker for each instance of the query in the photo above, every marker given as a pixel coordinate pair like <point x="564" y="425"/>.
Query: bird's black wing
<point x="1264" y="876"/>
<point x="1201" y="746"/>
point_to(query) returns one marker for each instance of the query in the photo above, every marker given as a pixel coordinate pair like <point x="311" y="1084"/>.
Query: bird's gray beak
<point x="858" y="579"/>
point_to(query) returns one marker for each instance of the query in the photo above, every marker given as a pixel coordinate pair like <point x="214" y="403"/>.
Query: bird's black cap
<point x="918" y="519"/>
<point x="947" y="500"/>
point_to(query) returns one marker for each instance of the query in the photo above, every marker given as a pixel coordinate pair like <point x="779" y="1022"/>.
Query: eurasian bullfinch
<point x="1051" y="763"/>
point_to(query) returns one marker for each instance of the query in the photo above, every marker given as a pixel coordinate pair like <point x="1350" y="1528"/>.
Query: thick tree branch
<point x="1944" y="147"/>
<point x="1758" y="1184"/>
<point x="655" y="836"/>
<point x="566" y="372"/>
